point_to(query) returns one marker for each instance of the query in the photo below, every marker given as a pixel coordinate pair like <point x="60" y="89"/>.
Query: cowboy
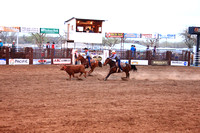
<point x="87" y="53"/>
<point x="117" y="58"/>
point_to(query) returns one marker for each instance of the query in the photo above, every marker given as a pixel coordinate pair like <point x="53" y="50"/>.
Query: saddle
<point x="121" y="64"/>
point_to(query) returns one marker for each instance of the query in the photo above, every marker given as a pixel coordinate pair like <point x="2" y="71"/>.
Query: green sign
<point x="49" y="30"/>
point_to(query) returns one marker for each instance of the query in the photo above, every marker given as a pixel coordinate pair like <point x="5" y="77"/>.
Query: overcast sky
<point x="128" y="16"/>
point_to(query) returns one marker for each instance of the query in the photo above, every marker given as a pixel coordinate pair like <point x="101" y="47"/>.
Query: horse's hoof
<point x="105" y="79"/>
<point x="124" y="78"/>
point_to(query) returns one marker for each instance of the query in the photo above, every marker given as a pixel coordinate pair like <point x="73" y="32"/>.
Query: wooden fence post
<point x="168" y="57"/>
<point x="30" y="56"/>
<point x="129" y="56"/>
<point x="48" y="53"/>
<point x="52" y="55"/>
<point x="189" y="58"/>
<point x="7" y="55"/>
<point x="148" y="57"/>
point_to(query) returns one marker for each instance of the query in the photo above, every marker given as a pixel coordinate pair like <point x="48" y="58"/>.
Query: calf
<point x="72" y="69"/>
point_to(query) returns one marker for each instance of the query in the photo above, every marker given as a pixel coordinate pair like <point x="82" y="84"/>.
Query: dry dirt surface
<point x="38" y="98"/>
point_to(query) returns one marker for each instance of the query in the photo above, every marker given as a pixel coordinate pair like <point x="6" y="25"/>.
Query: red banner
<point x="115" y="35"/>
<point x="146" y="35"/>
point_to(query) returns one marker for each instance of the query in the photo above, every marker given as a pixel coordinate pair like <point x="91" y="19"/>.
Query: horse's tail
<point x="133" y="67"/>
<point x="100" y="64"/>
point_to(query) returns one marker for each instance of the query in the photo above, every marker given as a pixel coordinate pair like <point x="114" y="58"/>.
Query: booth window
<point x="89" y="26"/>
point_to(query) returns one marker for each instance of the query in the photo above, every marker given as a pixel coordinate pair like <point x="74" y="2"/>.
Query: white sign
<point x="139" y="62"/>
<point x="2" y="61"/>
<point x="18" y="61"/>
<point x="41" y="61"/>
<point x="62" y="61"/>
<point x="30" y="30"/>
<point x="179" y="63"/>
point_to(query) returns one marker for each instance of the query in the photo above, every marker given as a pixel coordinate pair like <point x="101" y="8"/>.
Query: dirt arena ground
<point x="155" y="99"/>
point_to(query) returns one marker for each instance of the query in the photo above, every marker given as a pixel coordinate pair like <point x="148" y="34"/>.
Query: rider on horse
<point x="88" y="56"/>
<point x="117" y="58"/>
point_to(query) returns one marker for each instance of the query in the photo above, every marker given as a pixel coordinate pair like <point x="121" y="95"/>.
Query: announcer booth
<point x="84" y="30"/>
<point x="83" y="33"/>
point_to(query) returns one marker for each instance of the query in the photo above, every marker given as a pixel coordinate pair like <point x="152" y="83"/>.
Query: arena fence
<point x="67" y="56"/>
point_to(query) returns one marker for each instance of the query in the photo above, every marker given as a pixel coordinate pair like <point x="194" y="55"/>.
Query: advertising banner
<point x="62" y="61"/>
<point x="179" y="63"/>
<point x="139" y="62"/>
<point x="114" y="35"/>
<point x="2" y="61"/>
<point x="131" y="35"/>
<point x="9" y="29"/>
<point x="18" y="61"/>
<point x="41" y="61"/>
<point x="159" y="63"/>
<point x="167" y="36"/>
<point x="146" y="35"/>
<point x="49" y="30"/>
<point x="30" y="30"/>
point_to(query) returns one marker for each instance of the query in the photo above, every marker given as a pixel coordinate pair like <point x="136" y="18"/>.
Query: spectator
<point x="147" y="48"/>
<point x="53" y="47"/>
<point x="13" y="47"/>
<point x="1" y="44"/>
<point x="47" y="45"/>
<point x="133" y="49"/>
<point x="154" y="51"/>
<point x="76" y="56"/>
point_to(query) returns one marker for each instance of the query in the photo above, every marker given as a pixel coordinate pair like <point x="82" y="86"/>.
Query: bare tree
<point x="39" y="38"/>
<point x="110" y="41"/>
<point x="190" y="40"/>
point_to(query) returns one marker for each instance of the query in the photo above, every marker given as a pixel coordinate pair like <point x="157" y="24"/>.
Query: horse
<point x="113" y="67"/>
<point x="94" y="63"/>
<point x="72" y="69"/>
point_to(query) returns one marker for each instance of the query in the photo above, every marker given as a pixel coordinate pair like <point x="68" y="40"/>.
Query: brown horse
<point x="94" y="63"/>
<point x="72" y="69"/>
<point x="113" y="67"/>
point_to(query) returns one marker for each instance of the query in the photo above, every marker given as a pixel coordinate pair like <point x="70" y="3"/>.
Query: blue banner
<point x="131" y="35"/>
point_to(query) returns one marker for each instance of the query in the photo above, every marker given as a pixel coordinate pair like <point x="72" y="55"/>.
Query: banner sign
<point x="18" y="61"/>
<point x="9" y="29"/>
<point x="159" y="63"/>
<point x="49" y="30"/>
<point x="194" y="30"/>
<point x="125" y="61"/>
<point x="167" y="36"/>
<point x="2" y="61"/>
<point x="41" y="61"/>
<point x="179" y="63"/>
<point x="30" y="30"/>
<point x="131" y="35"/>
<point x="114" y="35"/>
<point x="146" y="35"/>
<point x="139" y="62"/>
<point x="62" y="61"/>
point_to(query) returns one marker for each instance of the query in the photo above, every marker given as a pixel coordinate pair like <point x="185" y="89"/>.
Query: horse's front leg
<point x="112" y="70"/>
<point x="91" y="70"/>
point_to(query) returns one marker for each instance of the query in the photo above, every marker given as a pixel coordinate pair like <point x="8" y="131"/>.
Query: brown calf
<point x="72" y="69"/>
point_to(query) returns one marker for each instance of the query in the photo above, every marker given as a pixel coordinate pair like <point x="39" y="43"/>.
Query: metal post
<point x="197" y="51"/>
<point x="17" y="41"/>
